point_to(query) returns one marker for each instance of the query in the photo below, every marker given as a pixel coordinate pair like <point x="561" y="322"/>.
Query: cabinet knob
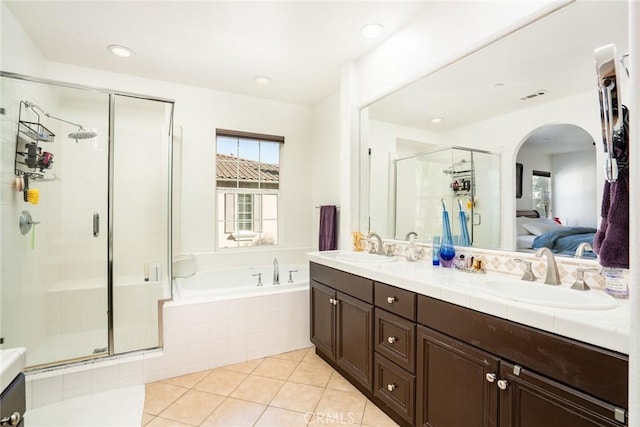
<point x="391" y="300"/>
<point x="12" y="420"/>
<point x="391" y="387"/>
<point x="490" y="377"/>
<point x="333" y="301"/>
<point x="391" y="340"/>
<point x="502" y="384"/>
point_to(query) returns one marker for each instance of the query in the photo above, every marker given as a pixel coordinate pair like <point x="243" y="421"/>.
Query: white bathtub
<point x="221" y="317"/>
<point x="241" y="282"/>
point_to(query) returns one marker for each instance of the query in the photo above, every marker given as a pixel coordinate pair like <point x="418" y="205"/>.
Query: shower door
<point x="54" y="276"/>
<point x="86" y="278"/>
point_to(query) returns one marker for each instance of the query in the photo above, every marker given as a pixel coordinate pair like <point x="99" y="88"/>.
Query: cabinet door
<point x="323" y="326"/>
<point x="455" y="385"/>
<point x="354" y="347"/>
<point x="530" y="400"/>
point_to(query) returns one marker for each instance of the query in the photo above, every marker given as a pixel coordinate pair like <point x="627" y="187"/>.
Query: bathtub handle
<point x="291" y="271"/>
<point x="259" y="278"/>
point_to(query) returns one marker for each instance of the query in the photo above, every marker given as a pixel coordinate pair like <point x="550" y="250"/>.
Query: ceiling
<point x="222" y="45"/>
<point x="554" y="54"/>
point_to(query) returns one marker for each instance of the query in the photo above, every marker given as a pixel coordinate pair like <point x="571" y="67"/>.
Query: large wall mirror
<point x="530" y="97"/>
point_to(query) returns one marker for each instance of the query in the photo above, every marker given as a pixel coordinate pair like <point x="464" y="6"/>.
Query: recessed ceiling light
<point x="118" y="50"/>
<point x="372" y="30"/>
<point x="262" y="80"/>
<point x="437" y="120"/>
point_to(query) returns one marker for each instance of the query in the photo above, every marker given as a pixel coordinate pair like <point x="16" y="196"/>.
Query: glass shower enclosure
<point x="85" y="217"/>
<point x="464" y="180"/>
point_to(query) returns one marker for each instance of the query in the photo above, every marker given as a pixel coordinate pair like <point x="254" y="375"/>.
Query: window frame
<point x="239" y="235"/>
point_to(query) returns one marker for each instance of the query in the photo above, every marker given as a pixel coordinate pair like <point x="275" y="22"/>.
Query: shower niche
<point x="465" y="180"/>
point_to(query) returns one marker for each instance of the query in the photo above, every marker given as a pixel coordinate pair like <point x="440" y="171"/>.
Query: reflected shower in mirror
<point x="466" y="181"/>
<point x="558" y="206"/>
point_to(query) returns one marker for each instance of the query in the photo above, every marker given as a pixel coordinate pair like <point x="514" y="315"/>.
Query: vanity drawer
<point x="395" y="387"/>
<point x="396" y="339"/>
<point x="395" y="300"/>
<point x="348" y="283"/>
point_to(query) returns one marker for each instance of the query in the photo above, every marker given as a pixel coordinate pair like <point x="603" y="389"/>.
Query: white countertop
<point x="604" y="328"/>
<point x="12" y="362"/>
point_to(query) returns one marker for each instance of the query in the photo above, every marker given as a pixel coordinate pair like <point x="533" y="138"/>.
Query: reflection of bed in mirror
<point x="533" y="232"/>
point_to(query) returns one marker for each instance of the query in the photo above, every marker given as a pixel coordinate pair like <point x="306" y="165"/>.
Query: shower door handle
<point x="96" y="224"/>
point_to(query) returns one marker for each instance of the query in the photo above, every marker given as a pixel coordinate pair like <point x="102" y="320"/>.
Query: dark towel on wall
<point x="611" y="242"/>
<point x="328" y="227"/>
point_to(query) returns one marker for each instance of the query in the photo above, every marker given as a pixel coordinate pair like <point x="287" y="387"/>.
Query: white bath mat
<point x="115" y="408"/>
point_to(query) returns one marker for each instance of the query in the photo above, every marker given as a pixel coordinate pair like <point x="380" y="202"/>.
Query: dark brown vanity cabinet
<point x="455" y="383"/>
<point x="467" y="376"/>
<point x="342" y="321"/>
<point x="431" y="363"/>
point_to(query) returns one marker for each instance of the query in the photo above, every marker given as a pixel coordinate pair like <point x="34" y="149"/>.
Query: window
<point x="248" y="188"/>
<point x="541" y="193"/>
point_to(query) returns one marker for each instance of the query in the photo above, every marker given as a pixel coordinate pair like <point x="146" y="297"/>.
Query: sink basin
<point x="364" y="257"/>
<point x="547" y="295"/>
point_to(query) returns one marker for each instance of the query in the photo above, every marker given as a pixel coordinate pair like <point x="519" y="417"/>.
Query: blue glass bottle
<point x="447" y="251"/>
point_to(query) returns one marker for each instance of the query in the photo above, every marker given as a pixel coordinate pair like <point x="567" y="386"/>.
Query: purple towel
<point x="328" y="227"/>
<point x="611" y="242"/>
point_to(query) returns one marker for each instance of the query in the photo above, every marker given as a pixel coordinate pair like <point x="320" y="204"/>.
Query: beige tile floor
<point x="287" y="390"/>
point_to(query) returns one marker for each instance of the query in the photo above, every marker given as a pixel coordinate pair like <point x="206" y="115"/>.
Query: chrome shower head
<point x="82" y="134"/>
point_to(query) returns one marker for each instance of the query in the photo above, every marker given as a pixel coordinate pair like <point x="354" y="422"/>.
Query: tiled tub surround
<point x="605" y="328"/>
<point x="198" y="335"/>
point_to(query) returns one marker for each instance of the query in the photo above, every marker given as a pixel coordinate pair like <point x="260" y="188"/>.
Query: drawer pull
<point x="12" y="420"/>
<point x="391" y="387"/>
<point x="333" y="301"/>
<point x="391" y="300"/>
<point x="502" y="384"/>
<point x="490" y="377"/>
<point x="391" y="340"/>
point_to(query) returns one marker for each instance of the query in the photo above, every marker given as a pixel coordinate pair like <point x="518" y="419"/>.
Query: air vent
<point x="534" y="95"/>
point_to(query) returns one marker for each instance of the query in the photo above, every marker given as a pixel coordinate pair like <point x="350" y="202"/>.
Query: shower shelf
<point x="29" y="158"/>
<point x="36" y="131"/>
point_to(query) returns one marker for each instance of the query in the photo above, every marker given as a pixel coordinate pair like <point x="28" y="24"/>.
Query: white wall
<point x="326" y="166"/>
<point x="574" y="185"/>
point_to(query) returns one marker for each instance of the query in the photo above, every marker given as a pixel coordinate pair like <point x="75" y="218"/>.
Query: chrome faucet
<point x="380" y="250"/>
<point x="584" y="246"/>
<point x="409" y="234"/>
<point x="276" y="272"/>
<point x="553" y="277"/>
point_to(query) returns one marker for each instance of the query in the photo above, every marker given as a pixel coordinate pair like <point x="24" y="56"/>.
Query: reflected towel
<point x="328" y="228"/>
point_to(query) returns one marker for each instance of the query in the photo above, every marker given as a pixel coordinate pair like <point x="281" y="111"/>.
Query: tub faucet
<point x="553" y="277"/>
<point x="380" y="250"/>
<point x="276" y="272"/>
<point x="584" y="246"/>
